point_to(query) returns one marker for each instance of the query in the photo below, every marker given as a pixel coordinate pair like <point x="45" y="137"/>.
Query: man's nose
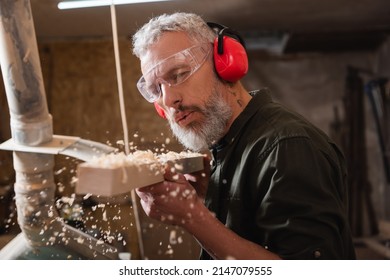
<point x="171" y="97"/>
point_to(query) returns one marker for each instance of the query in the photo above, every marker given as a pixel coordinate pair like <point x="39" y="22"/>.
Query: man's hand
<point x="200" y="180"/>
<point x="172" y="201"/>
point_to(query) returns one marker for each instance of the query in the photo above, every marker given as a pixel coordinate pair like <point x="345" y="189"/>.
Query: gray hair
<point x="192" y="24"/>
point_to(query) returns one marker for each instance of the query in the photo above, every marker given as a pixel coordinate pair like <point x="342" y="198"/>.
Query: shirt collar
<point x="259" y="99"/>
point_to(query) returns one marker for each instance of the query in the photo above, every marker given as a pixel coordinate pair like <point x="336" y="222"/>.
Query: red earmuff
<point x="160" y="110"/>
<point x="230" y="57"/>
<point x="232" y="64"/>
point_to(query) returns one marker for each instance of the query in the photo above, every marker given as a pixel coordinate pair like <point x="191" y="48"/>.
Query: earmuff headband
<point x="223" y="30"/>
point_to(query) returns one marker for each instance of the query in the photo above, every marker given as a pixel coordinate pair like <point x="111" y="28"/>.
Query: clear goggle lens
<point x="172" y="71"/>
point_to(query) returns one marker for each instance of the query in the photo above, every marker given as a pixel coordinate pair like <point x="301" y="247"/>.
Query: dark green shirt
<point x="280" y="182"/>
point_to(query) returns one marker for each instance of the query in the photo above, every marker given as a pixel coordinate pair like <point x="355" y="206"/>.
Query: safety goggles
<point x="172" y="71"/>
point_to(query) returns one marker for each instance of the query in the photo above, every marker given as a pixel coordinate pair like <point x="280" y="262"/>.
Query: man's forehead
<point x="168" y="44"/>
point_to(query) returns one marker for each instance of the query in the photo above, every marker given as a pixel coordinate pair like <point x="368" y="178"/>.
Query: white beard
<point x="199" y="136"/>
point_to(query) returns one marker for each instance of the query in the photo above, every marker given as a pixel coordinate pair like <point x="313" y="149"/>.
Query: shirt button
<point x="317" y="254"/>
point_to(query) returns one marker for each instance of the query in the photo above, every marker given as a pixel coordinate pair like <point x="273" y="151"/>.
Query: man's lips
<point x="181" y="117"/>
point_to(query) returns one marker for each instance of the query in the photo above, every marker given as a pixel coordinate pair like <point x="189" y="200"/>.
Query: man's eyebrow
<point x="174" y="68"/>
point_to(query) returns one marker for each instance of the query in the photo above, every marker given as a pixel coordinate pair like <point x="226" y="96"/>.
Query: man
<point x="276" y="188"/>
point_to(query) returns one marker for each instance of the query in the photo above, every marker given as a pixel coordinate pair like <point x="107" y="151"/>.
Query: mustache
<point x="183" y="108"/>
